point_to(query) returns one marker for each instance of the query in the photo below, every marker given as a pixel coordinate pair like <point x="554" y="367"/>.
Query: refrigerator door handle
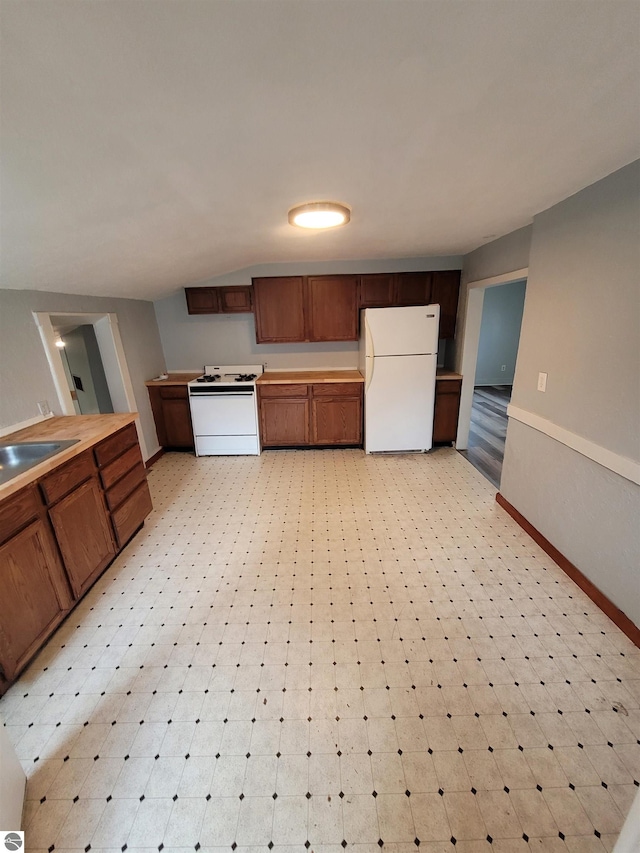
<point x="370" y="369"/>
<point x="370" y="348"/>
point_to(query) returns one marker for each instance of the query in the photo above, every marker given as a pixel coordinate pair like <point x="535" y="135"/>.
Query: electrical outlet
<point x="43" y="407"/>
<point x="542" y="382"/>
<point x="503" y="368"/>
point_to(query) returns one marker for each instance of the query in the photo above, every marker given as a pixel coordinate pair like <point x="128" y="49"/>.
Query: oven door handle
<point x="224" y="395"/>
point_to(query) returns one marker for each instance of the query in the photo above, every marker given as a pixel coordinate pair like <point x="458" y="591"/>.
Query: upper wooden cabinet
<point x="295" y="309"/>
<point x="413" y="288"/>
<point x="332" y="308"/>
<point x="445" y="290"/>
<point x="306" y="308"/>
<point x="219" y="300"/>
<point x="235" y="300"/>
<point x="377" y="290"/>
<point x="202" y="300"/>
<point x="279" y="309"/>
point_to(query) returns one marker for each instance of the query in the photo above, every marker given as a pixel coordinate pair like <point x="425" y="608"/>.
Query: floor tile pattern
<point x="323" y="651"/>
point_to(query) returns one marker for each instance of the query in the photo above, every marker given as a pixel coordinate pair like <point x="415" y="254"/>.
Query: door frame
<point x="470" y="341"/>
<point x="111" y="352"/>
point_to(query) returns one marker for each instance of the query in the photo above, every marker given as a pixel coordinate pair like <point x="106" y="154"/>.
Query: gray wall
<point x="25" y="377"/>
<point x="190" y="342"/>
<point x="581" y="326"/>
<point x="581" y="321"/>
<point x="503" y="255"/>
<point x="499" y="333"/>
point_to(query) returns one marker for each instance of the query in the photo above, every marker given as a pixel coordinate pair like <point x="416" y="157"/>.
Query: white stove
<point x="224" y="410"/>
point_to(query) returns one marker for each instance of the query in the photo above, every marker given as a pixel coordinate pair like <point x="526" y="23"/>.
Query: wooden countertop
<point x="174" y="379"/>
<point x="89" y="429"/>
<point x="299" y="377"/>
<point x="447" y="374"/>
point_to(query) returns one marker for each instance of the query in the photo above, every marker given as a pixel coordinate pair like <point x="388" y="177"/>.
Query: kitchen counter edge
<point x="308" y="377"/>
<point x="88" y="429"/>
<point x="173" y="379"/>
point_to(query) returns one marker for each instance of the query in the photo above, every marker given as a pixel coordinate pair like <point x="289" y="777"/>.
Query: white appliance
<point x="398" y="356"/>
<point x="224" y="410"/>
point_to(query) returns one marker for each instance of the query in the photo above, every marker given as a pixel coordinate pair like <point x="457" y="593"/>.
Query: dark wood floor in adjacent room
<point x="488" y="430"/>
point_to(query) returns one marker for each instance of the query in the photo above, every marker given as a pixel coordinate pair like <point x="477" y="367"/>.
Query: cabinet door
<point x="333" y="307"/>
<point x="445" y="290"/>
<point x="377" y="291"/>
<point x="284" y="421"/>
<point x="413" y="288"/>
<point x="84" y="535"/>
<point x="172" y="416"/>
<point x="235" y="300"/>
<point x="447" y="406"/>
<point x="202" y="300"/>
<point x="30" y="607"/>
<point x="177" y="417"/>
<point x="131" y="514"/>
<point x="336" y="420"/>
<point x="279" y="309"/>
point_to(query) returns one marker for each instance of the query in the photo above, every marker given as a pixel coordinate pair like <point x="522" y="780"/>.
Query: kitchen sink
<point x="22" y="455"/>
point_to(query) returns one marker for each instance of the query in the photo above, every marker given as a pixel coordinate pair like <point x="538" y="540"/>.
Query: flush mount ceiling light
<point x="319" y="214"/>
<point x="60" y="343"/>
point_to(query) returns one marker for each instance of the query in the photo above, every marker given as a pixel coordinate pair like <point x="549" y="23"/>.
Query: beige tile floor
<point x="319" y="651"/>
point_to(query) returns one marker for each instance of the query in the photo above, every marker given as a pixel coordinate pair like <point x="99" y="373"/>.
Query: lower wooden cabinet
<point x="284" y="421"/>
<point x="124" y="479"/>
<point x="447" y="407"/>
<point x="84" y="534"/>
<point x="58" y="534"/>
<point x="131" y="513"/>
<point x="172" y="416"/>
<point x="33" y="595"/>
<point x="297" y="415"/>
<point x="336" y="413"/>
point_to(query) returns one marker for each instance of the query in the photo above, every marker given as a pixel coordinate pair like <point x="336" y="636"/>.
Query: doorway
<point x="111" y="355"/>
<point x="84" y="369"/>
<point x="490" y="346"/>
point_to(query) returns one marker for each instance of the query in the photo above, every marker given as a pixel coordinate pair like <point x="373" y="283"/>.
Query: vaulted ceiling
<point x="147" y="144"/>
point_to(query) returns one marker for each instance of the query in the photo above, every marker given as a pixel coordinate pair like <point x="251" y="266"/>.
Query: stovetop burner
<point x="246" y="377"/>
<point x="208" y="377"/>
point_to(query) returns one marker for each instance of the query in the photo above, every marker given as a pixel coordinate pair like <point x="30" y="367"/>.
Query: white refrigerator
<point x="398" y="356"/>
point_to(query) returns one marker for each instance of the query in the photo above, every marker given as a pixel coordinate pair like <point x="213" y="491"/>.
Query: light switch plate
<point x="542" y="382"/>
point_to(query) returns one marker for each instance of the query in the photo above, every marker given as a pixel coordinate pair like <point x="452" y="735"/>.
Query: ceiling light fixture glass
<point x="60" y="343"/>
<point x="319" y="214"/>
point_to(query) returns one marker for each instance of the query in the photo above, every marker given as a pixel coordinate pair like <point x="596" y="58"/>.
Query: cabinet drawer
<point x="17" y="510"/>
<point x="119" y="467"/>
<point x="448" y="386"/>
<point x="67" y="477"/>
<point x="174" y="392"/>
<point x="292" y="390"/>
<point x="337" y="389"/>
<point x="131" y="514"/>
<point x="124" y="487"/>
<point x="116" y="444"/>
